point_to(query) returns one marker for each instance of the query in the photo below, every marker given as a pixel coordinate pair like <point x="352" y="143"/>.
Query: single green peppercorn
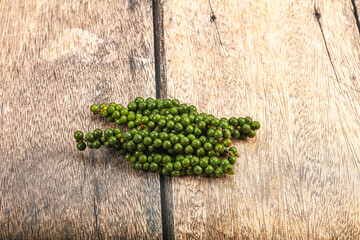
<point x="228" y="168"/>
<point x="111" y="109"/>
<point x="147" y="141"/>
<point x="196" y="143"/>
<point x="218" y="134"/>
<point x="224" y="162"/>
<point x="219" y="148"/>
<point x="151" y="106"/>
<point x="158" y="142"/>
<point x="127" y="135"/>
<point x="202" y="125"/>
<point x="131" y="124"/>
<point x="191" y="117"/>
<point x="154" y="166"/>
<point x="226" y="133"/>
<point x="185" y="162"/>
<point x="146" y="166"/>
<point x="177" y="165"/>
<point x="194" y="161"/>
<point x="208" y="146"/>
<point x="166" y="159"/>
<point x="233" y="150"/>
<point x="209" y="169"/>
<point x="236" y="134"/>
<point x="241" y="121"/>
<point x="251" y="134"/>
<point x="169" y="166"/>
<point x="113" y="140"/>
<point x="233" y="121"/>
<point x="210" y="132"/>
<point x="197" y="131"/>
<point x="246" y="128"/>
<point x="117" y="131"/>
<point x="232" y="159"/>
<point x="97" y="133"/>
<point x="215" y="122"/>
<point x="81" y="146"/>
<point x="167" y="144"/>
<point x="175" y="173"/>
<point x="138" y="166"/>
<point x="94" y="108"/>
<point x="158" y="158"/>
<point x="141" y="147"/>
<point x="139" y="100"/>
<point x="189" y="149"/>
<point x="219" y="172"/>
<point x="224" y="124"/>
<point x="183" y="108"/>
<point x="124" y="112"/>
<point x="175" y="102"/>
<point x="132" y="106"/>
<point x="170" y="124"/>
<point x="78" y="135"/>
<point x="89" y="137"/>
<point x="189" y="129"/>
<point x="178" y="148"/>
<point x="96" y="144"/>
<point x="248" y="120"/>
<point x="255" y="125"/>
<point x="203" y="139"/>
<point x="108" y="133"/>
<point x="198" y="170"/>
<point x="119" y="107"/>
<point x="192" y="108"/>
<point x="116" y="114"/>
<point x="138" y="138"/>
<point x="204" y="161"/>
<point x="227" y="142"/>
<point x="214" y="161"/>
<point x="142" y="158"/>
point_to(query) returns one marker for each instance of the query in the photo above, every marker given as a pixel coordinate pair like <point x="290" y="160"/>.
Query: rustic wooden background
<point x="292" y="65"/>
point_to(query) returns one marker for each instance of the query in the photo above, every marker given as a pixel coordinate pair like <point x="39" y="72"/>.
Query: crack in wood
<point x="318" y="16"/>
<point x="159" y="49"/>
<point x="213" y="19"/>
<point x="96" y="218"/>
<point x="356" y="15"/>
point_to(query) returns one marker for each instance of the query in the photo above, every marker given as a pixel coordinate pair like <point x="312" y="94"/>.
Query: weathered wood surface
<point x="293" y="65"/>
<point x="295" y="71"/>
<point x="56" y="59"/>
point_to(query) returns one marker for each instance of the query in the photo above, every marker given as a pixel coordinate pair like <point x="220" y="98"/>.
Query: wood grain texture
<point x="297" y="75"/>
<point x="56" y="59"/>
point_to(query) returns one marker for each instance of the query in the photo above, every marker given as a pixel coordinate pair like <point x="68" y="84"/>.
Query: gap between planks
<point x="166" y="193"/>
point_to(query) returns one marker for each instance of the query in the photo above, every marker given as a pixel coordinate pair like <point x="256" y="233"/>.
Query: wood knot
<point x="317" y="14"/>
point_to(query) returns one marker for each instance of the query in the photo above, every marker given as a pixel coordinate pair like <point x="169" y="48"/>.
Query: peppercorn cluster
<point x="169" y="138"/>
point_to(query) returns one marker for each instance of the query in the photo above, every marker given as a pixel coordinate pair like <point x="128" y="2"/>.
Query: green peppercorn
<point x="78" y="135"/>
<point x="94" y="108"/>
<point x="81" y="146"/>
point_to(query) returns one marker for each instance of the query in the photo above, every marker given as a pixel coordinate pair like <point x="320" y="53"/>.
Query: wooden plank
<point x="299" y="177"/>
<point x="57" y="58"/>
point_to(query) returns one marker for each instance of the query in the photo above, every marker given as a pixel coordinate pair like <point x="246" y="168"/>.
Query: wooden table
<point x="293" y="65"/>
